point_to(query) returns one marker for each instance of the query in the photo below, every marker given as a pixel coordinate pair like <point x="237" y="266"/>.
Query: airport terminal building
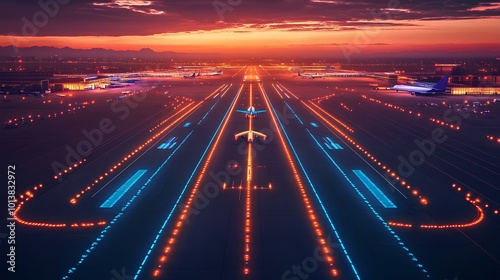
<point x="42" y="82"/>
<point x="78" y="83"/>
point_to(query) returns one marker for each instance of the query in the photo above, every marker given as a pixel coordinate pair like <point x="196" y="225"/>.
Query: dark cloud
<point x="136" y="17"/>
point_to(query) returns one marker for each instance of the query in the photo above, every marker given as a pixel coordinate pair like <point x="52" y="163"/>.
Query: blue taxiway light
<point x="314" y="124"/>
<point x="122" y="190"/>
<point x="187" y="124"/>
<point x="382" y="198"/>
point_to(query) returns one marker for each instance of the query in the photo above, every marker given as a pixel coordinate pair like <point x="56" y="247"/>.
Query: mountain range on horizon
<point x="46" y="51"/>
<point x="147" y="53"/>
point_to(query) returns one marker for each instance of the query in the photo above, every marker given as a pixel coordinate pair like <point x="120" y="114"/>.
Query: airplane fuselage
<point x="251" y="112"/>
<point x="440" y="87"/>
<point x="411" y="88"/>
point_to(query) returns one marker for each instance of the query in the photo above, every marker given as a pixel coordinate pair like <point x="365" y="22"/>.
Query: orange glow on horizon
<point x="456" y="35"/>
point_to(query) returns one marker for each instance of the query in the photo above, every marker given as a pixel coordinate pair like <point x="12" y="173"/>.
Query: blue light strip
<point x="162" y="146"/>
<point x="293" y="112"/>
<point x="171" y="145"/>
<point x="121" y="191"/>
<point x="150" y="250"/>
<point x="102" y="235"/>
<point x="206" y="114"/>
<point x="314" y="124"/>
<point x="166" y="144"/>
<point x="336" y="146"/>
<point x="187" y="124"/>
<point x="328" y="146"/>
<point x="314" y="191"/>
<point x="400" y="242"/>
<point x="382" y="198"/>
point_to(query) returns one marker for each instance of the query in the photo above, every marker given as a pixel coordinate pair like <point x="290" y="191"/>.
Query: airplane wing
<point x="242" y="111"/>
<point x="244" y="133"/>
<point x="255" y="133"/>
<point x="260" y="111"/>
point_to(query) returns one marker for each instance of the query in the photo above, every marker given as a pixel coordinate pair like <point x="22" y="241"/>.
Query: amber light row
<point x="248" y="202"/>
<point x="28" y="195"/>
<point x="345" y="107"/>
<point x="456" y="127"/>
<point x="494" y="139"/>
<point x="476" y="221"/>
<point x="477" y="201"/>
<point x="410" y="112"/>
<point x="30" y="118"/>
<point x="468" y="197"/>
<point x="323" y="98"/>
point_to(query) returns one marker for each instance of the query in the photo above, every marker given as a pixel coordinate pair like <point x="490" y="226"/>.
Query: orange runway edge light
<point x="246" y="256"/>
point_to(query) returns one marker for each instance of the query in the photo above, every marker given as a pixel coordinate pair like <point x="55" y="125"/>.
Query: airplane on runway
<point x="191" y="76"/>
<point x="218" y="73"/>
<point x="251" y="112"/>
<point x="311" y="76"/>
<point x="440" y="87"/>
<point x="250" y="135"/>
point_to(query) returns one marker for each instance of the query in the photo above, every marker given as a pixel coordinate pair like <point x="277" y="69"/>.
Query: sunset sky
<point x="255" y="27"/>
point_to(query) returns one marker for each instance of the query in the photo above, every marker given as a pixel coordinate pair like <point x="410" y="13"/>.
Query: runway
<point x="347" y="183"/>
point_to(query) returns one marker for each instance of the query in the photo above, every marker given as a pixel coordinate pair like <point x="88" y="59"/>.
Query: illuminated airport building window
<point x="474" y="90"/>
<point x="79" y="83"/>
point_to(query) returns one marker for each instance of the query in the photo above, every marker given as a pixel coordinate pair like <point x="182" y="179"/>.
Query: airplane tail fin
<point x="219" y="71"/>
<point x="299" y="73"/>
<point x="441" y="85"/>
